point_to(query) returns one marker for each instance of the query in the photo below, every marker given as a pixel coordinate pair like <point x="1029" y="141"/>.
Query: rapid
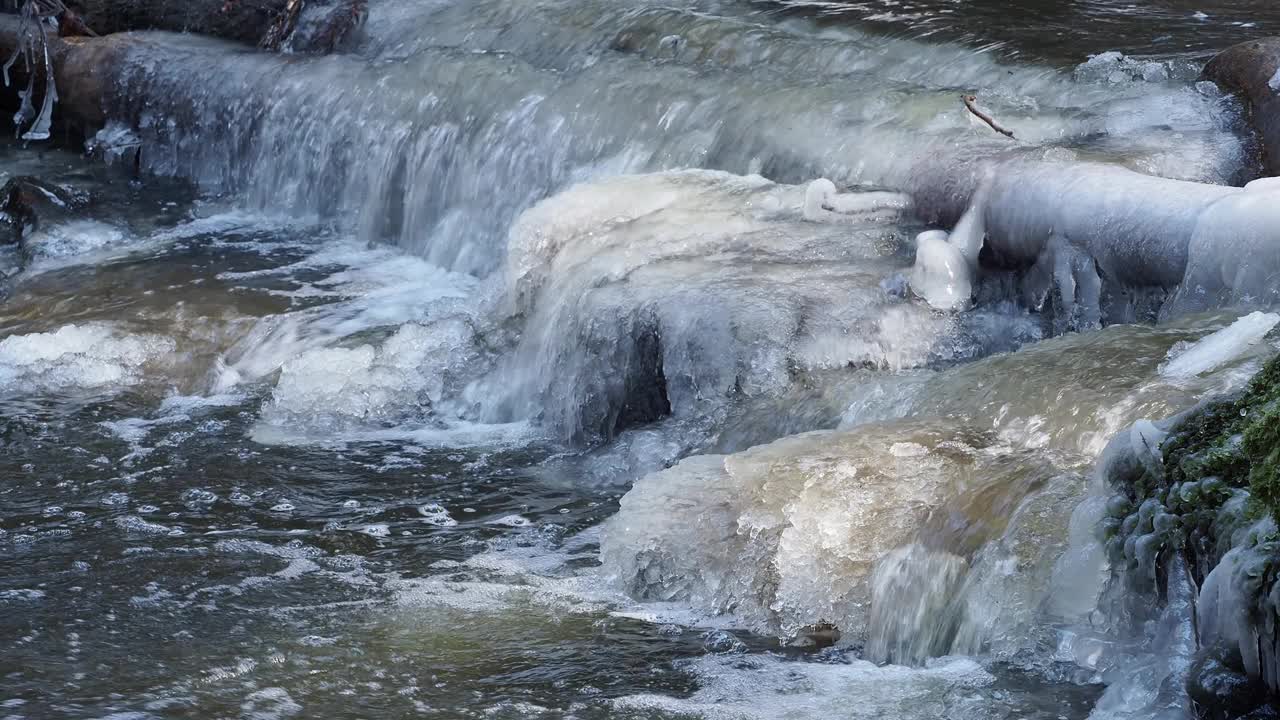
<point x="508" y="364"/>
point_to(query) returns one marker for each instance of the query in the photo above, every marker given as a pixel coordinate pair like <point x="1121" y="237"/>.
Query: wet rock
<point x="324" y="27"/>
<point x="1253" y="69"/>
<point x="26" y="201"/>
<point x="1220" y="688"/>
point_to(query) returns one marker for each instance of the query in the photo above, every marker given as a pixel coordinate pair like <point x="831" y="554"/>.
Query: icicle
<point x="970" y="232"/>
<point x="26" y="111"/>
<point x="40" y="130"/>
<point x="10" y="62"/>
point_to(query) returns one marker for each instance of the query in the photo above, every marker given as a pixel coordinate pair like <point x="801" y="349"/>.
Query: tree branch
<point x="970" y="102"/>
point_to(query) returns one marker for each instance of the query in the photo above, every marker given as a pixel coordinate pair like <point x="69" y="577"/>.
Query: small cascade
<point x="941" y="534"/>
<point x="447" y="123"/>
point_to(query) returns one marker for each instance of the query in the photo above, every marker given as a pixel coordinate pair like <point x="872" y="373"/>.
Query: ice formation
<point x="823" y="203"/>
<point x="921" y="536"/>
<point x="970" y="232"/>
<point x="1100" y="236"/>
<point x="1233" y="253"/>
<point x="668" y="293"/>
<point x="93" y="356"/>
<point x="1221" y="347"/>
<point x="941" y="274"/>
<point x="1104" y="381"/>
<point x="328" y="390"/>
<point x="1235" y="608"/>
<point x="786" y="536"/>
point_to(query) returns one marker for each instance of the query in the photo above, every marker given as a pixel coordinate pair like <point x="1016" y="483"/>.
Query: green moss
<point x="1236" y="441"/>
<point x="1262" y="446"/>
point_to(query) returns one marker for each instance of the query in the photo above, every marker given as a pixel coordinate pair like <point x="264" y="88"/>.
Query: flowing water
<point x="495" y="368"/>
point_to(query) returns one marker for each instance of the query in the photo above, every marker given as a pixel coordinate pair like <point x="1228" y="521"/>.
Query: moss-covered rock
<point x="1237" y="441"/>
<point x="1209" y="491"/>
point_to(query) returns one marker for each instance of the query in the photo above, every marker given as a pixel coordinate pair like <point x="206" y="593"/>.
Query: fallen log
<point x="1252" y="69"/>
<point x="309" y="26"/>
<point x="82" y="68"/>
<point x="246" y="21"/>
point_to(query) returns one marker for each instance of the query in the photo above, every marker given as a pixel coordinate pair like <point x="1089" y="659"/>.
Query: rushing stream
<point x="498" y="367"/>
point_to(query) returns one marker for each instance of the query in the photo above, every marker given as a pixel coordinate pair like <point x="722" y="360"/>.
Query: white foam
<point x="768" y="687"/>
<point x="436" y="514"/>
<point x="372" y="288"/>
<point x="54" y="243"/>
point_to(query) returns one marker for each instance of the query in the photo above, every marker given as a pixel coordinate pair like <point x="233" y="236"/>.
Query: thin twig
<point x="970" y="102"/>
<point x="283" y="27"/>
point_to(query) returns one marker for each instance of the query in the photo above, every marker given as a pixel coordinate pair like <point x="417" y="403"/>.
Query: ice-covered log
<point x="1075" y="226"/>
<point x="1253" y="69"/>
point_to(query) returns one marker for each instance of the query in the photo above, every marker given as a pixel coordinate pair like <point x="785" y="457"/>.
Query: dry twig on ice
<point x="971" y="102"/>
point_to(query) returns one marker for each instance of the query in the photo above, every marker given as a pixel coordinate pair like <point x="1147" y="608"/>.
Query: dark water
<point x="1064" y="32"/>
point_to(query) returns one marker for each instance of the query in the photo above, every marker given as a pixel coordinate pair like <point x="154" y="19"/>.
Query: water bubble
<point x="512" y="521"/>
<point x="436" y="514"/>
<point x="721" y="642"/>
<point x="197" y="497"/>
<point x="282" y="507"/>
<point x="114" y="499"/>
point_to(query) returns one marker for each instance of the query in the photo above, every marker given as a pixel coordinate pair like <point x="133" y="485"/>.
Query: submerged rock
<point x="26" y="201"/>
<point x="1222" y="690"/>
